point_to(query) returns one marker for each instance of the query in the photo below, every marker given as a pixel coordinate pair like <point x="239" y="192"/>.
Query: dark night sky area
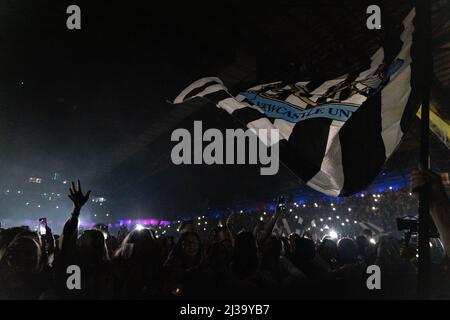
<point x="70" y="99"/>
<point x="68" y="95"/>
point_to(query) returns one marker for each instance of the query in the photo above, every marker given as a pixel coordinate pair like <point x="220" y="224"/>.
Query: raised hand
<point x="231" y="218"/>
<point x="77" y="197"/>
<point x="48" y="242"/>
<point x="280" y="204"/>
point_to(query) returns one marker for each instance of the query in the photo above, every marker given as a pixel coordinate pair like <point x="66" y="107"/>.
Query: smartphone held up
<point x="42" y="226"/>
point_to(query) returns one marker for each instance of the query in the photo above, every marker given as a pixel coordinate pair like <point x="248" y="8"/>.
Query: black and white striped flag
<point x="335" y="135"/>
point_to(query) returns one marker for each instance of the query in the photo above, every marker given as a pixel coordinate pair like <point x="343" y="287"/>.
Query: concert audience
<point x="254" y="262"/>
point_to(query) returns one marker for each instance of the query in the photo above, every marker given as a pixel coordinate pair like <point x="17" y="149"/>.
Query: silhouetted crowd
<point x="254" y="263"/>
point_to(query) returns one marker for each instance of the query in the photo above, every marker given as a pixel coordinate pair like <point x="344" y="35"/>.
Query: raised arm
<point x="230" y="227"/>
<point x="268" y="228"/>
<point x="70" y="231"/>
<point x="439" y="202"/>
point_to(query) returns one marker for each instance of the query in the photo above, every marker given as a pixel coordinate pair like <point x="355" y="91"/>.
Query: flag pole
<point x="424" y="261"/>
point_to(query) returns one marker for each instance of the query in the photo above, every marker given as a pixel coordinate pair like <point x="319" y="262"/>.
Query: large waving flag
<point x="337" y="134"/>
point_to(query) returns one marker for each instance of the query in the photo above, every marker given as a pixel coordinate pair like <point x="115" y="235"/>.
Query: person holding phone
<point x="280" y="208"/>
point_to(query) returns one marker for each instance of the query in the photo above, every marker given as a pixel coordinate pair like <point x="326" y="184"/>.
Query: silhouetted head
<point x="190" y="245"/>
<point x="221" y="234"/>
<point x="188" y="226"/>
<point x="347" y="251"/>
<point x="292" y="238"/>
<point x="272" y="248"/>
<point x="23" y="255"/>
<point x="305" y="250"/>
<point x="218" y="256"/>
<point x="139" y="244"/>
<point x="187" y="250"/>
<point x="91" y="246"/>
<point x="362" y="243"/>
<point x="328" y="249"/>
<point x="388" y="250"/>
<point x="245" y="259"/>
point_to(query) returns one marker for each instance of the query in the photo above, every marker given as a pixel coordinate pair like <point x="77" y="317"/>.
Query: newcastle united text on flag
<point x="337" y="134"/>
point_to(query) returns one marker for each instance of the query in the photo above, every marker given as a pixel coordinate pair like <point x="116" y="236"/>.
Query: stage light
<point x="333" y="234"/>
<point x="329" y="218"/>
<point x="332" y="204"/>
<point x="39" y="206"/>
<point x="199" y="218"/>
<point x="199" y="223"/>
<point x="139" y="227"/>
<point x="261" y="218"/>
<point x="321" y="219"/>
<point x="264" y="213"/>
<point x="337" y="217"/>
<point x="27" y="203"/>
<point x="57" y="207"/>
<point x="206" y="222"/>
<point x="390" y="188"/>
<point x="296" y="217"/>
<point x="334" y="209"/>
<point x="95" y="215"/>
<point x="362" y="195"/>
<point x="410" y="194"/>
<point x="342" y="224"/>
<point x="372" y="241"/>
<point x="355" y="222"/>
<point x="290" y="210"/>
<point x="321" y="230"/>
<point x="304" y="205"/>
<point x="315" y="205"/>
<point x="107" y="214"/>
<point x="349" y="209"/>
<point x="241" y="211"/>
<point x="376" y="200"/>
<point x="346" y="220"/>
<point x="373" y="208"/>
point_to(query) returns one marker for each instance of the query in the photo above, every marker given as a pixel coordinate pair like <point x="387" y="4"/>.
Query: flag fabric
<point x="337" y="134"/>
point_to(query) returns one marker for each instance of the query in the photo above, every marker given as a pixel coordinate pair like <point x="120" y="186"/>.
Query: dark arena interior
<point x="93" y="92"/>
